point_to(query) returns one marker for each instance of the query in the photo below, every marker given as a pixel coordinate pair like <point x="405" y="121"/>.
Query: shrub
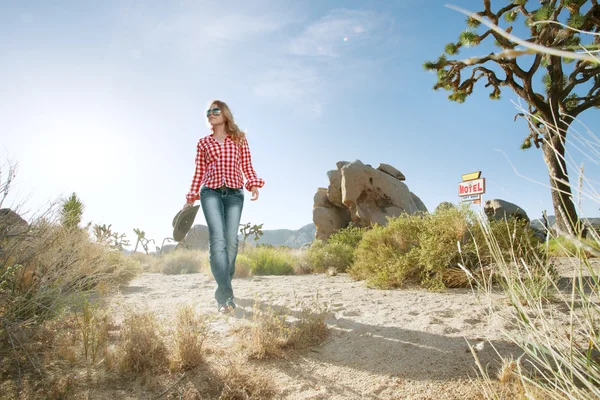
<point x="273" y="331"/>
<point x="243" y="266"/>
<point x="269" y="261"/>
<point x="42" y="269"/>
<point x="337" y="253"/>
<point x="322" y="256"/>
<point x="148" y="262"/>
<point x="182" y="262"/>
<point x="190" y="334"/>
<point x="350" y="236"/>
<point x="141" y="347"/>
<point x="431" y="250"/>
<point x="388" y="256"/>
<point x="563" y="247"/>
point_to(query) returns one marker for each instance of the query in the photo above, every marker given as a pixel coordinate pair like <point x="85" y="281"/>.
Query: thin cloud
<point x="292" y="83"/>
<point x="330" y="36"/>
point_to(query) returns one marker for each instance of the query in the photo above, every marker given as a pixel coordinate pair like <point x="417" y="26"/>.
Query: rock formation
<point x="500" y="209"/>
<point x="11" y="223"/>
<point x="363" y="195"/>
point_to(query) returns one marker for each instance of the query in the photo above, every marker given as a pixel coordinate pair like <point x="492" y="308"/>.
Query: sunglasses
<point x="215" y="111"/>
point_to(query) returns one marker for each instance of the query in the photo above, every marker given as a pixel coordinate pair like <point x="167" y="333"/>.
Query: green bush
<point x="562" y="247"/>
<point x="387" y="256"/>
<point x="182" y="262"/>
<point x="269" y="261"/>
<point x="243" y="266"/>
<point x="322" y="256"/>
<point x="337" y="252"/>
<point x="424" y="249"/>
<point x="350" y="236"/>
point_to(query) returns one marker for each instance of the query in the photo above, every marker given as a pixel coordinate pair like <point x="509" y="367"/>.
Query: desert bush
<point x="93" y="325"/>
<point x="273" y="331"/>
<point x="323" y="255"/>
<point x="243" y="266"/>
<point x="430" y="249"/>
<point x="387" y="256"/>
<point x="350" y="236"/>
<point x="336" y="253"/>
<point x="141" y="347"/>
<point x="50" y="264"/>
<point x="191" y="331"/>
<point x="240" y="382"/>
<point x="563" y="247"/>
<point x="269" y="261"/>
<point x="148" y="262"/>
<point x="183" y="262"/>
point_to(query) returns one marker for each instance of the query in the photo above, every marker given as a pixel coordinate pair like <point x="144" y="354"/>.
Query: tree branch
<point x="587" y="104"/>
<point x="587" y="74"/>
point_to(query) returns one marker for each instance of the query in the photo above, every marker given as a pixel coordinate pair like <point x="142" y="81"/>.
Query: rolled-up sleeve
<point x="194" y="194"/>
<point x="251" y="178"/>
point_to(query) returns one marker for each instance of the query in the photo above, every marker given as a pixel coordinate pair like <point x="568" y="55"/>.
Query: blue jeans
<point x="223" y="210"/>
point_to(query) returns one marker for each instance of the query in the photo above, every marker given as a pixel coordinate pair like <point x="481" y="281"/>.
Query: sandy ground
<point x="383" y="344"/>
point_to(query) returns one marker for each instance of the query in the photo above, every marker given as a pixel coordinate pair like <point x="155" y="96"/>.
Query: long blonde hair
<point x="231" y="128"/>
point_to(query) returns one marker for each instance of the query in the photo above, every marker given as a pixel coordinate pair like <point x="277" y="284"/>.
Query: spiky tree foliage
<point x="105" y="236"/>
<point x="248" y="230"/>
<point x="556" y="90"/>
<point x="141" y="235"/>
<point x="71" y="212"/>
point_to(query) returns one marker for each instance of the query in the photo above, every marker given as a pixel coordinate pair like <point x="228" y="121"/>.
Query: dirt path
<point x="383" y="343"/>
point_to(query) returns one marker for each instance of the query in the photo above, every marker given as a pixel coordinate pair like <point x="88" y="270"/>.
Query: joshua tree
<point x="105" y="236"/>
<point x="249" y="230"/>
<point x="10" y="170"/>
<point x="141" y="235"/>
<point x="556" y="89"/>
<point x="71" y="212"/>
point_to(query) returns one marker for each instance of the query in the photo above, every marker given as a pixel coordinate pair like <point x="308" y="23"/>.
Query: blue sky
<point x="107" y="99"/>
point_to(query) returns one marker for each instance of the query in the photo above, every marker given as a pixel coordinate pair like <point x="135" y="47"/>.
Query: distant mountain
<point x="285" y="237"/>
<point x="539" y="223"/>
<point x="197" y="237"/>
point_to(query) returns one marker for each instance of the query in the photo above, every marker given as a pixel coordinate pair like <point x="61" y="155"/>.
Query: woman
<point x="221" y="159"/>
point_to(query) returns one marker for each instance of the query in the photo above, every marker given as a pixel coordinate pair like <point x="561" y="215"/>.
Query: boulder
<point x="329" y="220"/>
<point x="334" y="190"/>
<point x="11" y="223"/>
<point x="321" y="200"/>
<point x="365" y="196"/>
<point x="501" y="209"/>
<point x="388" y="169"/>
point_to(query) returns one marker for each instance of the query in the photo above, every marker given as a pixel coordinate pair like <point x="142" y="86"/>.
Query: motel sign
<point x="476" y="186"/>
<point x="472" y="187"/>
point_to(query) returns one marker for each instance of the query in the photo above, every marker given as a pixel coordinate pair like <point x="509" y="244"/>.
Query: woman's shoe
<point x="231" y="304"/>
<point x="223" y="308"/>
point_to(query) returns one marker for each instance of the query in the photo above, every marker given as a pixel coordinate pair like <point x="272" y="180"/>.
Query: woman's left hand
<point x="254" y="191"/>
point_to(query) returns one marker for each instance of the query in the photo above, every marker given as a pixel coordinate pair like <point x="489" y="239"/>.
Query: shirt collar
<point x="227" y="137"/>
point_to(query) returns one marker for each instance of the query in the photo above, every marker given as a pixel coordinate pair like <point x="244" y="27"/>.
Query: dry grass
<point x="183" y="262"/>
<point x="240" y="382"/>
<point x="148" y="262"/>
<point x="190" y="333"/>
<point x="93" y="325"/>
<point x="273" y="331"/>
<point x="141" y="346"/>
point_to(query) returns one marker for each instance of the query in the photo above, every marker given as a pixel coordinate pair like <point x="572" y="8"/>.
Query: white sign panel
<point x="471" y="197"/>
<point x="468" y="188"/>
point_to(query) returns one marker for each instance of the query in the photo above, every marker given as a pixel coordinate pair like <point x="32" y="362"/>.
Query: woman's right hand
<point x="187" y="205"/>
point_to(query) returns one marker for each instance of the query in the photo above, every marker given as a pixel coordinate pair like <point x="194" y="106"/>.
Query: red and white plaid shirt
<point x="221" y="164"/>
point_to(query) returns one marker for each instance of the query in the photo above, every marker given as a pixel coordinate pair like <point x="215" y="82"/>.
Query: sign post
<point x="472" y="187"/>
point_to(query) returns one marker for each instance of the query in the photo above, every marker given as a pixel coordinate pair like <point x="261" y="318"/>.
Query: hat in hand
<point x="183" y="221"/>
